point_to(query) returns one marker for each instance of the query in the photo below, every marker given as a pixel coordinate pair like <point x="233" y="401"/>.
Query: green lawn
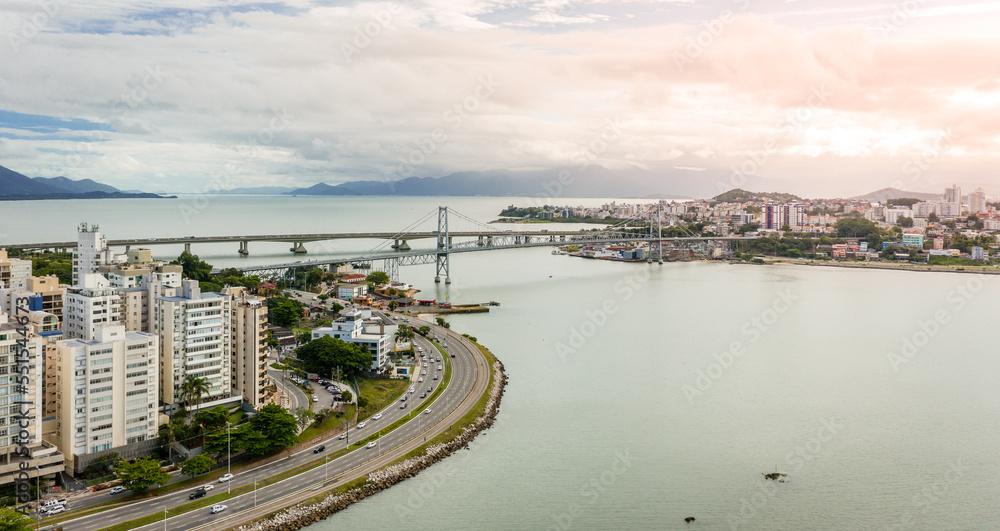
<point x="329" y="424"/>
<point x="380" y="393"/>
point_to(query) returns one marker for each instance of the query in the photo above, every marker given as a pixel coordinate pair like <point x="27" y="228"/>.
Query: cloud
<point x="221" y="73"/>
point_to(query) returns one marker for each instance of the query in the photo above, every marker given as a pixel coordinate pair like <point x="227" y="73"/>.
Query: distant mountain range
<point x="259" y="190"/>
<point x="15" y="186"/>
<point x="593" y="181"/>
<point x="892" y="193"/>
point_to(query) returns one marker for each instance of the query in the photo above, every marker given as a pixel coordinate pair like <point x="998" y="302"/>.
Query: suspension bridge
<point x="394" y="252"/>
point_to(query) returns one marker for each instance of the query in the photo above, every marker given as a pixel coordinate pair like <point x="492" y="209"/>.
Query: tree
<point x="314" y="277"/>
<point x="277" y="425"/>
<point x="323" y="354"/>
<point x="193" y="267"/>
<point x="933" y="218"/>
<point x="284" y="312"/>
<point x="194" y="389"/>
<point x="11" y="520"/>
<point x="197" y="465"/>
<point x="403" y="333"/>
<point x="442" y="322"/>
<point x="856" y="227"/>
<point x="140" y="474"/>
<point x="212" y="419"/>
<point x="323" y="296"/>
<point x="304" y="416"/>
<point x="904" y="222"/>
<point x="424" y="330"/>
<point x="336" y="307"/>
<point x="304" y="337"/>
<point x="346" y="396"/>
<point x="378" y="278"/>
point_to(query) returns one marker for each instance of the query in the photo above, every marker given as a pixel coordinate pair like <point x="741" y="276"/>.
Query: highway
<point x="469" y="379"/>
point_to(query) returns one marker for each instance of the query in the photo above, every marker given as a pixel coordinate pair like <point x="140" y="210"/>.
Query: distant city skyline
<point x="799" y="97"/>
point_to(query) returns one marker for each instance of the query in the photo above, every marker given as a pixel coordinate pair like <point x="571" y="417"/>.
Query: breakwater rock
<point x="300" y="516"/>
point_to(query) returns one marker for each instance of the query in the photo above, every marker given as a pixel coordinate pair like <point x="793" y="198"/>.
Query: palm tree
<point x="193" y="389"/>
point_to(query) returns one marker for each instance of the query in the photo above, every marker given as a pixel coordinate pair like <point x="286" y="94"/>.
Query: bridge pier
<point x="244" y="247"/>
<point x="187" y="248"/>
<point x="128" y="248"/>
<point x="298" y="248"/>
<point x="401" y="245"/>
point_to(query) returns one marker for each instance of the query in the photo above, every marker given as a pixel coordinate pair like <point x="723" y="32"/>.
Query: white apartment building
<point x="892" y="215"/>
<point x="21" y="407"/>
<point x="91" y="252"/>
<point x="14" y="272"/>
<point x="977" y="203"/>
<point x="352" y="329"/>
<point x="195" y="340"/>
<point x="161" y="281"/>
<point x="108" y="391"/>
<point x="249" y="336"/>
<point x="93" y="303"/>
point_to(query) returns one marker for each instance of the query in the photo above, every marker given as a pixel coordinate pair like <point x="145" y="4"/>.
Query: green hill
<point x="738" y="195"/>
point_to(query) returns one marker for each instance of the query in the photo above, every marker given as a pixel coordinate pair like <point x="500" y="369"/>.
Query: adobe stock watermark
<point x="250" y="149"/>
<point x="592" y="491"/>
<point x="789" y="123"/>
<point x="453" y="117"/>
<point x="923" y="161"/>
<point x="36" y="23"/>
<point x="795" y="460"/>
<point x="753" y="329"/>
<point x="901" y="14"/>
<point x="583" y="159"/>
<point x="956" y="299"/>
<point x="598" y="318"/>
<point x="372" y="29"/>
<point x="710" y="31"/>
<point x="924" y="502"/>
<point x="136" y="95"/>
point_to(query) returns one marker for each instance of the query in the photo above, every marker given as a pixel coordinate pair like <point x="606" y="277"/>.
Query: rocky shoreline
<point x="300" y="516"/>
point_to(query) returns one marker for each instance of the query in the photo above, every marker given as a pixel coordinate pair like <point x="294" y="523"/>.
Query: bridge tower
<point x="443" y="261"/>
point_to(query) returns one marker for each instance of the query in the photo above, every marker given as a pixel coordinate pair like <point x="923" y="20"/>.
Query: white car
<point x="361" y="425"/>
<point x="315" y="398"/>
<point x="55" y="509"/>
<point x="421" y="379"/>
<point x="376" y="416"/>
<point x="412" y="389"/>
<point x="225" y="478"/>
<point x="116" y="490"/>
<point x="370" y="445"/>
<point x="207" y="487"/>
<point x="342" y="435"/>
<point x="425" y="372"/>
<point x="439" y="367"/>
<point x="218" y="508"/>
<point x="427" y="411"/>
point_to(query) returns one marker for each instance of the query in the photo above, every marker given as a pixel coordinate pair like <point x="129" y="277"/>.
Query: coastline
<point x="304" y="514"/>
<point x="885" y="266"/>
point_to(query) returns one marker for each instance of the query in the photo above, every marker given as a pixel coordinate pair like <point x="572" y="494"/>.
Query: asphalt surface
<point x="469" y="373"/>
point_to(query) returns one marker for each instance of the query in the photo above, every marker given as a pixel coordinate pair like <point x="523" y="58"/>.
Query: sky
<point x="816" y="98"/>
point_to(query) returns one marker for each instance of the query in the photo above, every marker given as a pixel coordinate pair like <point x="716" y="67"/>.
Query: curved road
<point x="469" y="379"/>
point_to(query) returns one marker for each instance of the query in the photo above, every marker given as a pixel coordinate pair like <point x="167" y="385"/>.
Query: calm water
<point x="635" y="418"/>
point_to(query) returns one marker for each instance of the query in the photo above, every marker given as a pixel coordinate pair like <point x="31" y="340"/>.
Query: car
<point x="402" y="406"/>
<point x="420" y="349"/>
<point x="435" y="377"/>
<point x="412" y="389"/>
<point x="425" y="364"/>
<point x="424" y="373"/>
<point x="342" y="435"/>
<point x="370" y="445"/>
<point x="319" y="449"/>
<point x="427" y="411"/>
<point x="437" y="360"/>
<point x="53" y="502"/>
<point x="208" y="487"/>
<point x="440" y="367"/>
<point x="453" y="355"/>
<point x="429" y="389"/>
<point x="116" y="490"/>
<point x="376" y="416"/>
<point x="361" y="425"/>
<point x="218" y="508"/>
<point x="315" y="398"/>
<point x="403" y="399"/>
<point x="420" y="380"/>
<point x="423" y="395"/>
<point x="225" y="478"/>
<point x="197" y="494"/>
<point x="55" y="509"/>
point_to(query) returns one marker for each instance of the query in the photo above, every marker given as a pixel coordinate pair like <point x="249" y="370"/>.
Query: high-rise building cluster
<point x="109" y="355"/>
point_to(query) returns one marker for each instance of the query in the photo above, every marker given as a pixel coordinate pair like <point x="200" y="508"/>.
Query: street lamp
<point x="164" y="518"/>
<point x="255" y="493"/>
<point x="229" y="451"/>
<point x="326" y="469"/>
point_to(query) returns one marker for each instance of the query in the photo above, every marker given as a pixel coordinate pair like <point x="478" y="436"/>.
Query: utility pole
<point x="229" y="451"/>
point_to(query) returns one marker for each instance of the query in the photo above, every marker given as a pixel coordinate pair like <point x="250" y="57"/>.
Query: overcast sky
<point x="815" y="97"/>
